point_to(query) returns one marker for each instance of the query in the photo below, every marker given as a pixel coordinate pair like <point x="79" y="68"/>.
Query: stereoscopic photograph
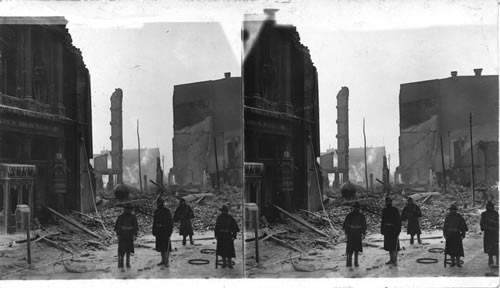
<point x="340" y="143"/>
<point x="121" y="149"/>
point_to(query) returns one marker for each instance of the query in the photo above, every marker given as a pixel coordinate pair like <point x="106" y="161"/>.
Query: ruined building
<point x="45" y="116"/>
<point x="337" y="162"/>
<point x="281" y="116"/>
<point x="130" y="171"/>
<point x="435" y="109"/>
<point x="207" y="132"/>
<point x="113" y="171"/>
<point x="374" y="160"/>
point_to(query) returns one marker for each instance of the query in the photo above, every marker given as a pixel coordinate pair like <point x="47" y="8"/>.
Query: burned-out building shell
<point x="45" y="116"/>
<point x="439" y="110"/>
<point x="281" y="117"/>
<point x="207" y="132"/>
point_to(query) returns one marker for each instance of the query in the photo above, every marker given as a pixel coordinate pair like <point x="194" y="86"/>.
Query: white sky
<point x="369" y="46"/>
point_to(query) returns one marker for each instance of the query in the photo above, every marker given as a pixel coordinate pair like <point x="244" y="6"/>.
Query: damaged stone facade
<point x="208" y="122"/>
<point x="45" y="118"/>
<point x="435" y="109"/>
<point x="281" y="117"/>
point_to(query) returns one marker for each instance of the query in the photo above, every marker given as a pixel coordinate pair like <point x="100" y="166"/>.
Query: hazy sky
<point x="146" y="62"/>
<point x="369" y="46"/>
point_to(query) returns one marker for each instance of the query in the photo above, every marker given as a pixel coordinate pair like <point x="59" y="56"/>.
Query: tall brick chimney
<point x="117" y="135"/>
<point x="478" y="71"/>
<point x="453" y="73"/>
<point x="227" y="75"/>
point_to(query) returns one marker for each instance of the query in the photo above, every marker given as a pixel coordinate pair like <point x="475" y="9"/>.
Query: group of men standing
<point x="454" y="230"/>
<point x="126" y="227"/>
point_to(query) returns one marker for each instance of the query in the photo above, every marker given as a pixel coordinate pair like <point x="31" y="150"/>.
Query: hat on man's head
<point x="453" y="207"/>
<point x="224" y="208"/>
<point x="356" y="204"/>
<point x="160" y="201"/>
<point x="388" y="199"/>
<point x="489" y="205"/>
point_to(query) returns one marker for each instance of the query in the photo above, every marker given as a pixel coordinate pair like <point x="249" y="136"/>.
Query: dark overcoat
<point x="184" y="214"/>
<point x="390" y="228"/>
<point x="162" y="228"/>
<point x="454" y="230"/>
<point x="489" y="224"/>
<point x="226" y="230"/>
<point x="126" y="228"/>
<point x="412" y="213"/>
<point x="354" y="227"/>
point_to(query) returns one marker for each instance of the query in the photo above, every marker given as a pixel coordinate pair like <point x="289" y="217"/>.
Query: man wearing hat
<point x="184" y="214"/>
<point x="126" y="228"/>
<point x="454" y="231"/>
<point x="489" y="224"/>
<point x="225" y="233"/>
<point x="412" y="212"/>
<point x="355" y="229"/>
<point x="162" y="230"/>
<point x="390" y="228"/>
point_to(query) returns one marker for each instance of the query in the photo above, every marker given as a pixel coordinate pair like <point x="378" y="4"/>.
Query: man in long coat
<point x="355" y="229"/>
<point x="126" y="228"/>
<point x="390" y="228"/>
<point x="226" y="230"/>
<point x="489" y="224"/>
<point x="184" y="214"/>
<point x="454" y="231"/>
<point x="411" y="212"/>
<point x="162" y="230"/>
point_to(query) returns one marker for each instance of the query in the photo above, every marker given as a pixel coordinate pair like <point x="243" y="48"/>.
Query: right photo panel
<point x="370" y="144"/>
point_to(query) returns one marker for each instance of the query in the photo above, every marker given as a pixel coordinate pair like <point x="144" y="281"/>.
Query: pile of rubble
<point x="434" y="204"/>
<point x="77" y="231"/>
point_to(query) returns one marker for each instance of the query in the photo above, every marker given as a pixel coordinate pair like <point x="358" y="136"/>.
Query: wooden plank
<point x="74" y="223"/>
<point x="427" y="198"/>
<point x="315" y="215"/>
<point x="284" y="244"/>
<point x="199" y="200"/>
<point x="47" y="235"/>
<point x="386" y="186"/>
<point x="266" y="235"/>
<point x="301" y="221"/>
<point x="56" y="245"/>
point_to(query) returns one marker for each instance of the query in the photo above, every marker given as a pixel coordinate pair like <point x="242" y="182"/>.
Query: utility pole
<point x="442" y="162"/>
<point x="449" y="149"/>
<point x="472" y="160"/>
<point x="139" y="156"/>
<point x="366" y="167"/>
<point x="217" y="166"/>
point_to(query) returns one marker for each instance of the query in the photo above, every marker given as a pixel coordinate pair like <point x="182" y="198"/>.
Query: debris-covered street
<point x="61" y="251"/>
<point x="290" y="249"/>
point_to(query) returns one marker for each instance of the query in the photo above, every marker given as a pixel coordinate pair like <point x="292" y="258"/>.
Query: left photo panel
<point x="121" y="149"/>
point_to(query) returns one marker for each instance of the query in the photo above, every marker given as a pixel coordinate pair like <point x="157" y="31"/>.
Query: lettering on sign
<point x="268" y="125"/>
<point x="29" y="125"/>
